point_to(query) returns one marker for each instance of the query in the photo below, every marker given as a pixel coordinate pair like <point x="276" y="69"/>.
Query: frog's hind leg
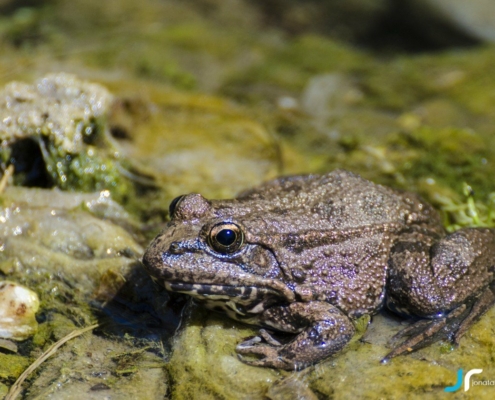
<point x="449" y="283"/>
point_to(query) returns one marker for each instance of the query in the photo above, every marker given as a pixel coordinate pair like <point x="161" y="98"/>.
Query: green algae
<point x="446" y="155"/>
<point x="85" y="366"/>
<point x="87" y="171"/>
<point x="131" y="362"/>
<point x="204" y="365"/>
<point x="23" y="28"/>
<point x="358" y="372"/>
<point x="4" y="389"/>
<point x="361" y="324"/>
<point x="438" y="163"/>
<point x="457" y="75"/>
<point x="12" y="365"/>
<point x="290" y="65"/>
<point x="63" y="271"/>
<point x="469" y="212"/>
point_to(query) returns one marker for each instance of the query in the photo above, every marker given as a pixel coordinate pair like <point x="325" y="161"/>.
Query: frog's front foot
<point x="321" y="329"/>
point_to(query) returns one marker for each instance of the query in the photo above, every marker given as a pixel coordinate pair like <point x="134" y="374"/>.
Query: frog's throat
<point x="244" y="293"/>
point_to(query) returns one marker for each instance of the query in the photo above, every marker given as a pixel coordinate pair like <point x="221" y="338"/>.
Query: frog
<point x="304" y="257"/>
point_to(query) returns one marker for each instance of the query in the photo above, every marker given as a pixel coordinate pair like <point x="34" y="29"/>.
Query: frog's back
<point x="335" y="201"/>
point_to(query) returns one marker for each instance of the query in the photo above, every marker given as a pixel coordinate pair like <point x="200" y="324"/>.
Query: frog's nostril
<point x="174" y="248"/>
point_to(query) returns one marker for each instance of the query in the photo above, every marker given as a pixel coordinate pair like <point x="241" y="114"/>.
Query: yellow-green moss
<point x="4" y="389"/>
<point x="204" y="364"/>
<point x="12" y="365"/>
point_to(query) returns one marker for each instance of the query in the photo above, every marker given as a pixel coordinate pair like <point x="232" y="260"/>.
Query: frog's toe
<point x="256" y="342"/>
<point x="410" y="330"/>
<point x="270" y="362"/>
<point x="268" y="355"/>
<point x="482" y="305"/>
<point x="253" y="346"/>
<point x="267" y="336"/>
<point x="419" y="336"/>
<point x="424" y="332"/>
<point x="249" y="343"/>
<point x="452" y="326"/>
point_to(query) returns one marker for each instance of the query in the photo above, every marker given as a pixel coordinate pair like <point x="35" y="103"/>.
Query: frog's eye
<point x="226" y="237"/>
<point x="173" y="205"/>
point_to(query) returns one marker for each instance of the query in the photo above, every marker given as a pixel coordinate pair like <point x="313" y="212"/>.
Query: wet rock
<point x="8" y="345"/>
<point x="55" y="235"/>
<point x="61" y="245"/>
<point x="54" y="134"/>
<point x="326" y="98"/>
<point x="18" y="307"/>
<point x="189" y="139"/>
<point x="59" y="106"/>
<point x="476" y="17"/>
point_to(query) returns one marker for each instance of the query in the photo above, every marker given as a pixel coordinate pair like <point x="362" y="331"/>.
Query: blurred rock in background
<point x="392" y="25"/>
<point x="475" y="18"/>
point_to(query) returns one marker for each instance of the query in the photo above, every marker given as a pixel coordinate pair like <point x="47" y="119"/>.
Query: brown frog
<point x="308" y="255"/>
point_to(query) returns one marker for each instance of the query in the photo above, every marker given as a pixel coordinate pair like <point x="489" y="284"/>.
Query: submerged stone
<point x="88" y="369"/>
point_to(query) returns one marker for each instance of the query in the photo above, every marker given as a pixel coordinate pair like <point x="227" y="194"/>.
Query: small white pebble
<point x="18" y="306"/>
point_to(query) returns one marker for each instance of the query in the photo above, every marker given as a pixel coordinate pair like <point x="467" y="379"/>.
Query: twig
<point x="16" y="387"/>
<point x="5" y="178"/>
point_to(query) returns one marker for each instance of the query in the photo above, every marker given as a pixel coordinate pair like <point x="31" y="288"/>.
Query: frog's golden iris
<point x="226" y="237"/>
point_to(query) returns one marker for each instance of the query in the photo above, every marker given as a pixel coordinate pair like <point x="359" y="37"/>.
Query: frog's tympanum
<point x="308" y="255"/>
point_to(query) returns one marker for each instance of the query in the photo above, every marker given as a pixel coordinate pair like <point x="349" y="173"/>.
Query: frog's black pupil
<point x="226" y="237"/>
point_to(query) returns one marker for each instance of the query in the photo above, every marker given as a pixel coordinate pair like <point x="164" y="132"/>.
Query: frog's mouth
<point x="241" y="299"/>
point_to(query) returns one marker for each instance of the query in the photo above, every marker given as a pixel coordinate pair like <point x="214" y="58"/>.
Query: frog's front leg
<point x="451" y="283"/>
<point x="321" y="329"/>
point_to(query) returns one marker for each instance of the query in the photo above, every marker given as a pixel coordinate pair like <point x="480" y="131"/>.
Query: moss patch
<point x="12" y="365"/>
<point x="204" y="363"/>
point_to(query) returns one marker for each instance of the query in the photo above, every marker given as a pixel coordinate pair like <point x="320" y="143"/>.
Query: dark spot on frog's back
<point x="291" y="242"/>
<point x="411" y="247"/>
